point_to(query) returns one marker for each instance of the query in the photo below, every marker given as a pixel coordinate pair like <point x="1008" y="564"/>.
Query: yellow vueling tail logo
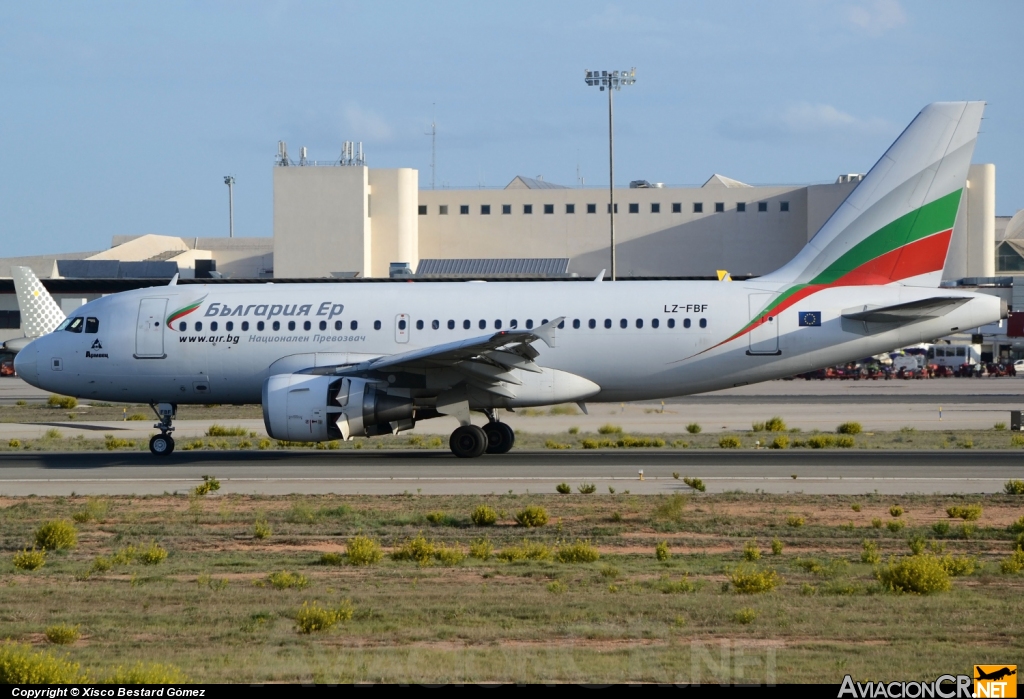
<point x="995" y="681"/>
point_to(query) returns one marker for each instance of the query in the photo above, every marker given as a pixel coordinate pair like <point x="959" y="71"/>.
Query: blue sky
<point x="123" y="118"/>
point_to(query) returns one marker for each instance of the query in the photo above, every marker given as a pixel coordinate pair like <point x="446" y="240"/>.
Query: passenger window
<point x="323" y="325"/>
<point x="703" y="322"/>
<point x="592" y="323"/>
<point x="544" y="322"/>
<point x="338" y="325"/>
<point x="497" y="324"/>
<point x="483" y="324"/>
<point x="354" y="325"/>
<point x="671" y="322"/>
<point x="182" y="326"/>
<point x="229" y="326"/>
<point x="275" y="326"/>
<point x="291" y="325"/>
<point x="451" y="324"/>
<point x="376" y="325"/>
<point x="529" y="323"/>
<point x="466" y="324"/>
<point x="654" y="322"/>
<point x="260" y="326"/>
<point x="419" y="324"/>
<point x="401" y="325"/>
<point x="213" y="326"/>
<point x="561" y="325"/>
<point x="639" y="323"/>
<point x="199" y="325"/>
<point x="513" y="324"/>
<point x="576" y="324"/>
<point x="607" y="322"/>
<point x="245" y="325"/>
<point x="435" y="324"/>
<point x="686" y="322"/>
<point x="307" y="325"/>
<point x="92" y="325"/>
<point x="623" y="323"/>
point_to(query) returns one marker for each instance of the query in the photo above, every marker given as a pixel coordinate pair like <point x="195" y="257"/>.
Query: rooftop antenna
<point x="229" y="180"/>
<point x="433" y="144"/>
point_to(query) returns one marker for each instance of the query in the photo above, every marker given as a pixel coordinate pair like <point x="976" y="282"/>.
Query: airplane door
<point x="764" y="336"/>
<point x="402" y="327"/>
<point x="149" y="331"/>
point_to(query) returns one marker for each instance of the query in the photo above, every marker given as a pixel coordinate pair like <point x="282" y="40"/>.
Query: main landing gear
<point x="163" y="444"/>
<point x="470" y="441"/>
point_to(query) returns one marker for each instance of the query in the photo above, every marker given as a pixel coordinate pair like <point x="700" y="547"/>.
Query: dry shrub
<point x="576" y="552"/>
<point x="751" y="552"/>
<point x="922" y="574"/>
<point x="670" y="508"/>
<point x="65" y="402"/>
<point x="284" y="580"/>
<point x="968" y="513"/>
<point x="29" y="559"/>
<point x="869" y="553"/>
<point x="57" y="534"/>
<point x="609" y="429"/>
<point x="661" y="551"/>
<point x="821" y="441"/>
<point x="484" y="516"/>
<point x="62" y="634"/>
<point x="532" y="516"/>
<point x="525" y="552"/>
<point x="780" y="442"/>
<point x="481" y="548"/>
<point x="261" y="530"/>
<point x="208" y="485"/>
<point x="849" y="428"/>
<point x="795" y="521"/>
<point x="776" y="547"/>
<point x="20" y="665"/>
<point x="94" y="510"/>
<point x="695" y="483"/>
<point x="152" y="554"/>
<point x="563" y="488"/>
<point x="1015" y="486"/>
<point x="331" y="559"/>
<point x="216" y="430"/>
<point x="363" y="551"/>
<point x="693" y="428"/>
<point x="729" y="443"/>
<point x="586" y="488"/>
<point x="958" y="566"/>
<point x="419" y="550"/>
<point x="450" y="555"/>
<point x="744" y="616"/>
<point x="750" y="581"/>
<point x="313" y="617"/>
<point x="1013" y="564"/>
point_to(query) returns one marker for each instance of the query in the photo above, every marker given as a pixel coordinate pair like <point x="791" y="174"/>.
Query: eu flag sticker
<point x="809" y="319"/>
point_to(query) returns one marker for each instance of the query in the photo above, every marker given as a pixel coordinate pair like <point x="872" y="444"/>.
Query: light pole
<point x="612" y="80"/>
<point x="230" y="182"/>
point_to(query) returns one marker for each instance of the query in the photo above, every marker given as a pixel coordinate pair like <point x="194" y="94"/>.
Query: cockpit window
<point x="64" y="325"/>
<point x="92" y="325"/>
<point x="74" y="325"/>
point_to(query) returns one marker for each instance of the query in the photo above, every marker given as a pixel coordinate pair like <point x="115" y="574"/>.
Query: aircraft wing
<point x="485" y="361"/>
<point x="923" y="309"/>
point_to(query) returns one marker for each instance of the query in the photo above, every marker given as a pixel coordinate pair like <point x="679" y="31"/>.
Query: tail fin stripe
<point x="920" y="223"/>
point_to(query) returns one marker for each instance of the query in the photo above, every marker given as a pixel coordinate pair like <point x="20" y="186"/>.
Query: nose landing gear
<point x="163" y="444"/>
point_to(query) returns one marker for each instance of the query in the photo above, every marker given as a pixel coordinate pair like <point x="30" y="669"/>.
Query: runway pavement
<point x="394" y="472"/>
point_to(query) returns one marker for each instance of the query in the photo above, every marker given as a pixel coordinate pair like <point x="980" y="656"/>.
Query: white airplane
<point x="40" y="314"/>
<point x="333" y="361"/>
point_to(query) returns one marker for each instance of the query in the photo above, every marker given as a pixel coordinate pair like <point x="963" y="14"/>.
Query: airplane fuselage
<point x="632" y="340"/>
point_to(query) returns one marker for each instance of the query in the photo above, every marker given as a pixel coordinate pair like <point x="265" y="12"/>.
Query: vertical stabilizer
<point x="897" y="224"/>
<point x="40" y="314"/>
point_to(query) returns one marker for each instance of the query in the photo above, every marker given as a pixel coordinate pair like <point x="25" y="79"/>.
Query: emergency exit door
<point x="149" y="331"/>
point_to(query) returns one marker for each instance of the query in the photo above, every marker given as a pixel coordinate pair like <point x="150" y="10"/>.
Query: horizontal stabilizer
<point x="906" y="312"/>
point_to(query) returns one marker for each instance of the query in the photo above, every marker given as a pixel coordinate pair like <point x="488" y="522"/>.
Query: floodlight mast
<point x="611" y="80"/>
<point x="229" y="180"/>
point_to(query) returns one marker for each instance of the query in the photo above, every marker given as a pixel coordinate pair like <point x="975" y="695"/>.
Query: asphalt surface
<point x="383" y="472"/>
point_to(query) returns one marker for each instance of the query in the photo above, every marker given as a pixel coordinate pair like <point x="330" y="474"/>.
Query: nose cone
<point x="26" y="364"/>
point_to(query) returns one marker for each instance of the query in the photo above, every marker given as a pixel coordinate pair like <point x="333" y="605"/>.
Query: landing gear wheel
<point x="468" y="442"/>
<point x="500" y="437"/>
<point x="161" y="444"/>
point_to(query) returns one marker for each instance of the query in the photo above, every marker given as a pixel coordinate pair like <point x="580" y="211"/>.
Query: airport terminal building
<point x="342" y="220"/>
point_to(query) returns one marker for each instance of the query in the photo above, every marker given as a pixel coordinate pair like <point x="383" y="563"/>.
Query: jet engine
<point x="309" y="408"/>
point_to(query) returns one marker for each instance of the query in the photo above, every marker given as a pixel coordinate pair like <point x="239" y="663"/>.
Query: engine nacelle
<point x="309" y="408"/>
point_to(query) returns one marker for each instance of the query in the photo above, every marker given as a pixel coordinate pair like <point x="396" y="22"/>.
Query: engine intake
<point x="309" y="408"/>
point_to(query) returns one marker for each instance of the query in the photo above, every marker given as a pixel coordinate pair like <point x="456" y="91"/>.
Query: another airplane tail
<point x="40" y="314"/>
<point x="895" y="227"/>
